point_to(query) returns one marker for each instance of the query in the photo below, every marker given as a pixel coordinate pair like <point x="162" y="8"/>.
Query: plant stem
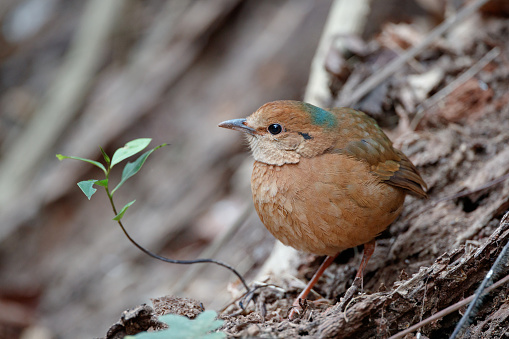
<point x="158" y="257"/>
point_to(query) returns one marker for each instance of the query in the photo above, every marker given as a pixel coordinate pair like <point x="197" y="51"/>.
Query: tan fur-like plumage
<point x="330" y="180"/>
<point x="324" y="204"/>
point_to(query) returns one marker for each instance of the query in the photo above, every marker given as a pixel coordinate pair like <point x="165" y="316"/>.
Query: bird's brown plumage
<point x="325" y="180"/>
<point x="370" y="144"/>
<point x="324" y="204"/>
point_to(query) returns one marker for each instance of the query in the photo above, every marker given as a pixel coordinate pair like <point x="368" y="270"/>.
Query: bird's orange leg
<point x="296" y="304"/>
<point x="369" y="249"/>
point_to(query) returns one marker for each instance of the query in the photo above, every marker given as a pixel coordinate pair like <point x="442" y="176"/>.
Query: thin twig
<point x="461" y="194"/>
<point x="447" y="310"/>
<point x="440" y="95"/>
<point x="395" y="65"/>
<point x="214" y="248"/>
<point x="183" y="262"/>
<point x="247" y="296"/>
<point x="173" y="261"/>
<point x="503" y="332"/>
<point x="481" y="291"/>
<point x="468" y="192"/>
<point x="424" y="300"/>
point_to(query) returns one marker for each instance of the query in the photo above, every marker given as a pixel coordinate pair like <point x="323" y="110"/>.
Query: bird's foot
<point x="302" y="305"/>
<point x="350" y="293"/>
<point x="298" y="308"/>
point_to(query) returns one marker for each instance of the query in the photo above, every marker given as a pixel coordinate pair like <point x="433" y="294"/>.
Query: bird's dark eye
<point x="275" y="129"/>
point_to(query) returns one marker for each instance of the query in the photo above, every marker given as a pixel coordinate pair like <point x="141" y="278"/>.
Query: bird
<point x="325" y="180"/>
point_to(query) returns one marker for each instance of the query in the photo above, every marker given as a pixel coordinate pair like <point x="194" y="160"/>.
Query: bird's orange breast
<point x="324" y="204"/>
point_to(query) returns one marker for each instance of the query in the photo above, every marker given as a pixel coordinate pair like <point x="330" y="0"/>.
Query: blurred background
<point x="76" y="75"/>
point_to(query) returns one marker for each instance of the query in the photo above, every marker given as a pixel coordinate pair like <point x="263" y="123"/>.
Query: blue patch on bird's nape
<point x="321" y="117"/>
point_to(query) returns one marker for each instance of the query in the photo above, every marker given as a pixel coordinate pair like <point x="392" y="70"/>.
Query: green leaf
<point x="131" y="168"/>
<point x="105" y="156"/>
<point x="103" y="183"/>
<point x="120" y="215"/>
<point x="183" y="327"/>
<point x="87" y="187"/>
<point x="98" y="164"/>
<point x="131" y="148"/>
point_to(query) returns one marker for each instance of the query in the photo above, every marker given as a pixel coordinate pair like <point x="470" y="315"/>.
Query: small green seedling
<point x="130" y="169"/>
<point x="180" y="327"/>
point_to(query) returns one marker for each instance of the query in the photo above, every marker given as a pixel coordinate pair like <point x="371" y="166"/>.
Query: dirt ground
<point x="172" y="71"/>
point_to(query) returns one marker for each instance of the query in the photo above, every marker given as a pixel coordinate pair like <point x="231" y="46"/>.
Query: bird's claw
<point x="298" y="306"/>
<point x="294" y="312"/>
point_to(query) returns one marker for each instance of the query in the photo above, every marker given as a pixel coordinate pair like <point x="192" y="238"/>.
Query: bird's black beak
<point x="238" y="125"/>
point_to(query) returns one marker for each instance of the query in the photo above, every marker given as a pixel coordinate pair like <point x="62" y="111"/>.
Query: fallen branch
<point x="440" y="95"/>
<point x="448" y="310"/>
<point x="370" y="83"/>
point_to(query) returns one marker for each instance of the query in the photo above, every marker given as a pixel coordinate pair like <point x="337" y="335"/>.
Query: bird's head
<point x="281" y="132"/>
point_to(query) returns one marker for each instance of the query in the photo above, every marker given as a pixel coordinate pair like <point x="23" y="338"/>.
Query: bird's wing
<point x="386" y="162"/>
